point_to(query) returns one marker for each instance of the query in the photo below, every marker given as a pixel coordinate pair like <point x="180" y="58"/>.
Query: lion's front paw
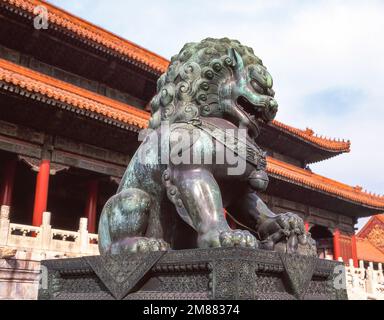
<point x="151" y="244"/>
<point x="286" y="233"/>
<point x="291" y="223"/>
<point x="282" y="226"/>
<point x="230" y="238"/>
<point x="238" y="238"/>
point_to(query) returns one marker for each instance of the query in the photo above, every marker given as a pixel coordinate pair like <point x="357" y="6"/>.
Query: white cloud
<point x="309" y="47"/>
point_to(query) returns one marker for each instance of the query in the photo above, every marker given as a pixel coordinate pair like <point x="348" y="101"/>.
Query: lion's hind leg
<point x="123" y="223"/>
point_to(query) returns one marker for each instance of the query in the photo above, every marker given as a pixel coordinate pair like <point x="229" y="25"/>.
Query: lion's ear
<point x="238" y="64"/>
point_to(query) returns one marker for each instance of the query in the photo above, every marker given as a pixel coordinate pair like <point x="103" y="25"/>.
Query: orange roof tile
<point x="33" y="81"/>
<point x="368" y="252"/>
<point x="309" y="135"/>
<point x="94" y="33"/>
<point x="380" y="217"/>
<point x="305" y="177"/>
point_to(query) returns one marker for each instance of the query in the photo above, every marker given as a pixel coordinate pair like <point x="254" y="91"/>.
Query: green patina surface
<point x="210" y="88"/>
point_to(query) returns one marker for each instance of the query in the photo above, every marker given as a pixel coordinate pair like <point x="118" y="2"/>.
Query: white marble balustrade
<point x="46" y="239"/>
<point x="365" y="283"/>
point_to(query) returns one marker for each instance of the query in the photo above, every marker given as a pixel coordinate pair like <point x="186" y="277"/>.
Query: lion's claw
<point x="290" y="222"/>
<point x="150" y="244"/>
<point x="231" y="238"/>
<point x="285" y="231"/>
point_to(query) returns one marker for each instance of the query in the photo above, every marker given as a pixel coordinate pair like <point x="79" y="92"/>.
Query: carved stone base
<point x="222" y="273"/>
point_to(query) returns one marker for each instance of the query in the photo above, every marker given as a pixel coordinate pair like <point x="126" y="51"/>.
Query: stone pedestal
<point x="221" y="273"/>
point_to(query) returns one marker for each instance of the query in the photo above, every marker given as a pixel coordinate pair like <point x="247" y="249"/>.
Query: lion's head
<point x="215" y="78"/>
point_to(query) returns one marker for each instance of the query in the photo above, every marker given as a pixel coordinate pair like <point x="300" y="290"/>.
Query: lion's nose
<point x="273" y="104"/>
<point x="270" y="111"/>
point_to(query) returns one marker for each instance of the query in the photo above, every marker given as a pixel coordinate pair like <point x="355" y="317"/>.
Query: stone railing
<point x="45" y="239"/>
<point x="365" y="283"/>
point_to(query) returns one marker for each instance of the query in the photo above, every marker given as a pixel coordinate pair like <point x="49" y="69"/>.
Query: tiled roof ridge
<point x="308" y="178"/>
<point x="94" y="33"/>
<point x="339" y="145"/>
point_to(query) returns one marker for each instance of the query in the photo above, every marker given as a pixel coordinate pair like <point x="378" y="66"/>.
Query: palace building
<point x="370" y="240"/>
<point x="73" y="99"/>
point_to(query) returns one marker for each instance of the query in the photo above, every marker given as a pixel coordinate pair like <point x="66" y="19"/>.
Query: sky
<point x="326" y="58"/>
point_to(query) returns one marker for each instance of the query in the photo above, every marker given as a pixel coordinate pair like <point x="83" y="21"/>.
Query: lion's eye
<point x="257" y="87"/>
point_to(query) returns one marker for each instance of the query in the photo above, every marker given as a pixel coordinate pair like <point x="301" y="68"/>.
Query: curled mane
<point x="189" y="88"/>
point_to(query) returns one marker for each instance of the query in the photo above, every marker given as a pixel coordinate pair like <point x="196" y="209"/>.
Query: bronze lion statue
<point x="199" y="157"/>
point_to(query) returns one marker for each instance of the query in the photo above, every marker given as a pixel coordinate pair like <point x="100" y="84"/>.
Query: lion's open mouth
<point x="248" y="109"/>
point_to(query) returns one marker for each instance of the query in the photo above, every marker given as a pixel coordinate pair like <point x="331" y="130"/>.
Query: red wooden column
<point x="41" y="192"/>
<point x="336" y="244"/>
<point x="354" y="251"/>
<point x="91" y="205"/>
<point x="7" y="182"/>
<point x="306" y="226"/>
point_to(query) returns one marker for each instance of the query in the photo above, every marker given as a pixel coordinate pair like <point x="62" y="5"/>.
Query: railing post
<point x="4" y="224"/>
<point x="83" y="236"/>
<point x="381" y="274"/>
<point x="354" y="275"/>
<point x="370" y="282"/>
<point x="46" y="231"/>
